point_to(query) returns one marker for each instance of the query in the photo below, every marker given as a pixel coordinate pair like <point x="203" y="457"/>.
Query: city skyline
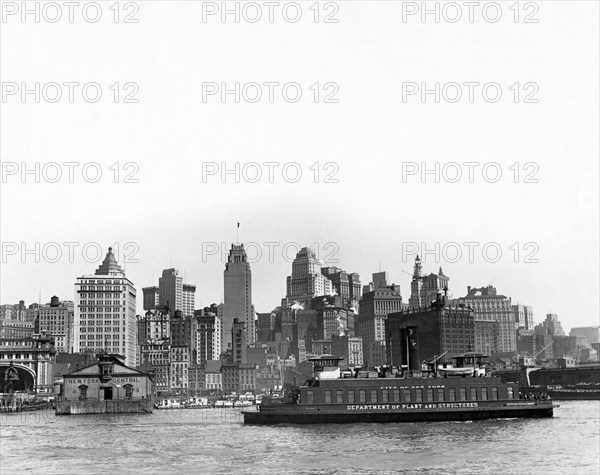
<point x="369" y="205"/>
<point x="214" y="147"/>
<point x="268" y="300"/>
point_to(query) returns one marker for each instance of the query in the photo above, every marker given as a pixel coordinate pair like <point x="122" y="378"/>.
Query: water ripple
<point x="216" y="441"/>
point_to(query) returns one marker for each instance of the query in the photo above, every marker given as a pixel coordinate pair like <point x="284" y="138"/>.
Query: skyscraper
<point x="346" y="285"/>
<point x="376" y="304"/>
<point x="306" y="280"/>
<point x="491" y="307"/>
<point x="424" y="289"/>
<point x="208" y="338"/>
<point x="189" y="299"/>
<point x="523" y="316"/>
<point x="551" y="326"/>
<point x="151" y="297"/>
<point x="176" y="295"/>
<point x="237" y="278"/>
<point x="240" y="344"/>
<point x="105" y="311"/>
<point x="209" y="333"/>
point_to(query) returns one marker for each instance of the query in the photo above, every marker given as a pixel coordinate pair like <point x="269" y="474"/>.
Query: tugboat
<point x="336" y="396"/>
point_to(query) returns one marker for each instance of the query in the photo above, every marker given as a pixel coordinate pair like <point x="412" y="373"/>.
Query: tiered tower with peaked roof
<point x="306" y="280"/>
<point x="105" y="310"/>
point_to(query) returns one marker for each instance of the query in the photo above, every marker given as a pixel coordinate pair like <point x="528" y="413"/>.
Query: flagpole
<point x="408" y="351"/>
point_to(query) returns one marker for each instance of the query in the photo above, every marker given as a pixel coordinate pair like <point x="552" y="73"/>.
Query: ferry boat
<point x="575" y="392"/>
<point x="336" y="396"/>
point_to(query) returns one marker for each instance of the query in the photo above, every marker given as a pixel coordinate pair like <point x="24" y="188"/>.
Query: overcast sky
<point x="372" y="141"/>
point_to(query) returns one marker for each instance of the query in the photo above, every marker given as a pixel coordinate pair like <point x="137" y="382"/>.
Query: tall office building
<point x="349" y="348"/>
<point x="346" y="285"/>
<point x="13" y="312"/>
<point x="105" y="318"/>
<point x="56" y="318"/>
<point x="425" y="288"/>
<point x="378" y="301"/>
<point x="189" y="299"/>
<point x="550" y="326"/>
<point x="523" y="316"/>
<point x="237" y="278"/>
<point x="151" y="297"/>
<point x="155" y="325"/>
<point x="176" y="295"/>
<point x="590" y="334"/>
<point x="219" y="327"/>
<point x="491" y="307"/>
<point x="306" y="280"/>
<point x="486" y="336"/>
<point x="240" y="343"/>
<point x="183" y="330"/>
<point x="265" y="326"/>
<point x="208" y="335"/>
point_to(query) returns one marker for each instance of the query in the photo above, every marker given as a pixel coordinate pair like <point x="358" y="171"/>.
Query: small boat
<point x="196" y="403"/>
<point x="168" y="404"/>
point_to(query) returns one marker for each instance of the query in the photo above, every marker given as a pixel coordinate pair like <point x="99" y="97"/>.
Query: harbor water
<point x="216" y="441"/>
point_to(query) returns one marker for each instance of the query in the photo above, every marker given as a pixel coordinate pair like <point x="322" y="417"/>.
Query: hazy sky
<point x="373" y="141"/>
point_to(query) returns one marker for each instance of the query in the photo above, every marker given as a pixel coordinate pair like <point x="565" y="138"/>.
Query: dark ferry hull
<point x="574" y="395"/>
<point x="342" y="414"/>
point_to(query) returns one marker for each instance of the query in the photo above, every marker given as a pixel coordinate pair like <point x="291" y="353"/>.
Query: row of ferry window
<point x="409" y="395"/>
